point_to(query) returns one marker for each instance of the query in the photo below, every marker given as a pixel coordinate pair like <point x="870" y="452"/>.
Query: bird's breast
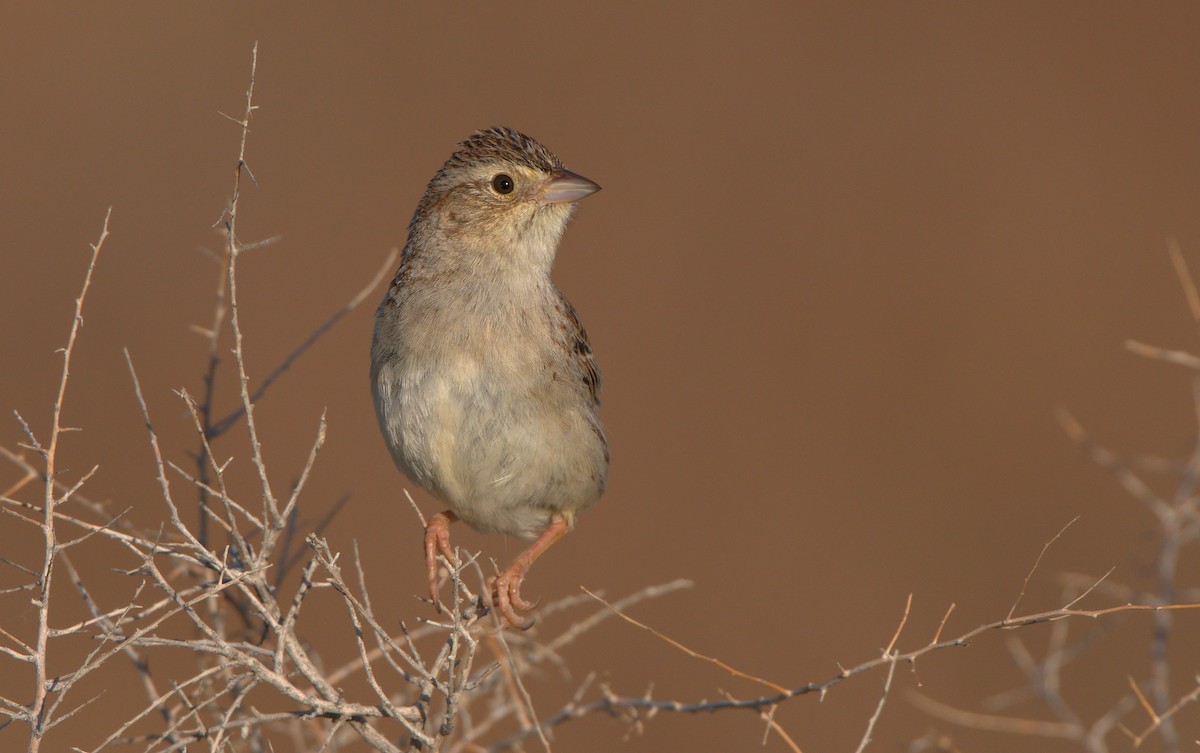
<point x="480" y="415"/>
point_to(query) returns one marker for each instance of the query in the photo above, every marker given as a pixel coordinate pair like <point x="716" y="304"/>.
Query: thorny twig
<point x="39" y="714"/>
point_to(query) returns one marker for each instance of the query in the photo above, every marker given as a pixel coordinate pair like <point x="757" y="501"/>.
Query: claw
<point x="506" y="596"/>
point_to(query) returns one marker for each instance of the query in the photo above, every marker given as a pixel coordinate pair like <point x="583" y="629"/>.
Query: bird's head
<point x="501" y="192"/>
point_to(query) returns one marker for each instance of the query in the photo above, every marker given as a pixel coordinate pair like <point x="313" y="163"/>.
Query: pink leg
<point x="437" y="541"/>
<point x="506" y="587"/>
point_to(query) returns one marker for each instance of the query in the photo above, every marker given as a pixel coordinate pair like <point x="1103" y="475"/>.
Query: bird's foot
<point x="506" y="587"/>
<point x="506" y="596"/>
<point x="437" y="541"/>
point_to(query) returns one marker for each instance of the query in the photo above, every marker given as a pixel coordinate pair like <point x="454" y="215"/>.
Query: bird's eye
<point x="502" y="183"/>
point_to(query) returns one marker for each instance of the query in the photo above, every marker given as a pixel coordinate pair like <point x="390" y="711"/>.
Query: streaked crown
<point x="502" y="144"/>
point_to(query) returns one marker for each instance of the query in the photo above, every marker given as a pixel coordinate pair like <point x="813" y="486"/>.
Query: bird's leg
<point x="437" y="540"/>
<point x="506" y="587"/>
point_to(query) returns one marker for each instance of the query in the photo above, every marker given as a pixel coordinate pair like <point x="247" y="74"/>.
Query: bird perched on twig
<point x="485" y="385"/>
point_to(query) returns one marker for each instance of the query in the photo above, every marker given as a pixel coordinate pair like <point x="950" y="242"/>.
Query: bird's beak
<point x="564" y="186"/>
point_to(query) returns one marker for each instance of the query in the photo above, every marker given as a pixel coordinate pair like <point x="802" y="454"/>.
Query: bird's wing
<point x="580" y="349"/>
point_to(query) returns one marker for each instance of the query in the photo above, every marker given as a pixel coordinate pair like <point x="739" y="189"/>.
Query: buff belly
<point x="503" y="456"/>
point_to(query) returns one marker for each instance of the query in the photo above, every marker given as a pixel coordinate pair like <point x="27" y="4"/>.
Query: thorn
<point x="249" y="172"/>
<point x="242" y="123"/>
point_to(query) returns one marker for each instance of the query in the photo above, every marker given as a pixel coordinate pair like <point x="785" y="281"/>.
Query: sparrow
<point x="485" y="385"/>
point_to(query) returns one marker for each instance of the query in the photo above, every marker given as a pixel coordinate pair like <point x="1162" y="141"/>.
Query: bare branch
<point x="688" y="651"/>
<point x="1037" y="562"/>
<point x="38" y="708"/>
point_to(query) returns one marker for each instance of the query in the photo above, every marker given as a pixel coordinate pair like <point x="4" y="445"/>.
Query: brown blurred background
<point x="848" y="260"/>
